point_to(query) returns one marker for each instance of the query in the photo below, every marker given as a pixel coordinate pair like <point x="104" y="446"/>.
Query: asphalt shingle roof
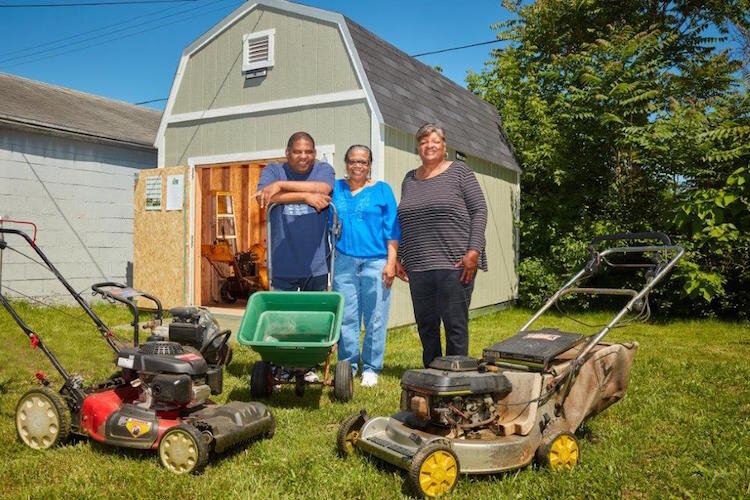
<point x="39" y="104"/>
<point x="410" y="93"/>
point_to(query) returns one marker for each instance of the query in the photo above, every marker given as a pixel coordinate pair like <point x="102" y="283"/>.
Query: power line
<point x="127" y="35"/>
<point x="415" y="55"/>
<point x="6" y="60"/>
<point x="77" y="35"/>
<point x="152" y="100"/>
<point x="85" y="4"/>
<point x="455" y="48"/>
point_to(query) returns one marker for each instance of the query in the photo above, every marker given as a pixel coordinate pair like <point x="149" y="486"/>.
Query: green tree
<point x="629" y="116"/>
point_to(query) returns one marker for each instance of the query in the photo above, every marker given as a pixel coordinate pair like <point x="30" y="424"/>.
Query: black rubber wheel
<point x="260" y="380"/>
<point x="271" y="430"/>
<point x="299" y="386"/>
<point x="225" y="294"/>
<point x="434" y="470"/>
<point x="559" y="451"/>
<point x="343" y="382"/>
<point x="42" y="419"/>
<point x="348" y="435"/>
<point x="183" y="450"/>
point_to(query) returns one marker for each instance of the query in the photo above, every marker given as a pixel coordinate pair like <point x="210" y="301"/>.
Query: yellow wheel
<point x="348" y="435"/>
<point x="560" y="452"/>
<point x="42" y="419"/>
<point x="434" y="470"/>
<point x="183" y="450"/>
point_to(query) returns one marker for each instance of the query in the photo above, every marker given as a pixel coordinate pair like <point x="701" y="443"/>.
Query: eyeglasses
<point x="358" y="162"/>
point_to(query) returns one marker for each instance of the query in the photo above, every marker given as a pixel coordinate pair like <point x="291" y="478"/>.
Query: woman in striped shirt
<point x="443" y="216"/>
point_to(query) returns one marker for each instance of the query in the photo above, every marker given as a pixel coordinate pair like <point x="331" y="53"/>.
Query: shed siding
<point x="310" y="59"/>
<point x="80" y="195"/>
<point x="501" y="191"/>
<point x="339" y="124"/>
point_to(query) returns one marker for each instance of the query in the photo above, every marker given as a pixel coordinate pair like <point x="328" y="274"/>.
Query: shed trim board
<point x="377" y="138"/>
<point x="220" y="160"/>
<point x="262" y="107"/>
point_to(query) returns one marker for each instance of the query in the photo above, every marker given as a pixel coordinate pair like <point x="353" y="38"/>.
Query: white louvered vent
<point x="257" y="52"/>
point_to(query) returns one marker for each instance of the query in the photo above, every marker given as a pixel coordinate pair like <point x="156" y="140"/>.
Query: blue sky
<point x="131" y="52"/>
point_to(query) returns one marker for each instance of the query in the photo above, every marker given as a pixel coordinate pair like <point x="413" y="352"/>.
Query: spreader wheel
<point x="343" y="381"/>
<point x="348" y="435"/>
<point x="559" y="451"/>
<point x="261" y="380"/>
<point x="434" y="470"/>
<point x="183" y="450"/>
<point x="42" y="419"/>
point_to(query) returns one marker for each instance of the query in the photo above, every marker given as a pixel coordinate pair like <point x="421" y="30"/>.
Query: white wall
<point x="80" y="196"/>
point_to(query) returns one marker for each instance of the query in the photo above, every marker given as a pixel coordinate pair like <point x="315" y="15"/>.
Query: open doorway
<point x="230" y="234"/>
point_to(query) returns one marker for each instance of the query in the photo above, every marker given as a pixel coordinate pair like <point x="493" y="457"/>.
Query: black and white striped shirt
<point x="441" y="218"/>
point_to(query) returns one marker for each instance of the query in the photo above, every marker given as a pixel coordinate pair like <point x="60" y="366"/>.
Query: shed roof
<point x="32" y="103"/>
<point x="410" y="93"/>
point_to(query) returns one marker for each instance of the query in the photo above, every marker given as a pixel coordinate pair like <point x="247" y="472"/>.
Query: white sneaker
<point x="369" y="379"/>
<point x="311" y="377"/>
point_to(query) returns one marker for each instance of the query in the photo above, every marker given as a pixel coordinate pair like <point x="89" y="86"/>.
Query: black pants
<point x="440" y="295"/>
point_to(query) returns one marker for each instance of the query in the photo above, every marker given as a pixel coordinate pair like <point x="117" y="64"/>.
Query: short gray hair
<point x="429" y="128"/>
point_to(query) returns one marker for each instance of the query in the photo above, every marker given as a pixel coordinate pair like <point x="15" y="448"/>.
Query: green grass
<point x="681" y="430"/>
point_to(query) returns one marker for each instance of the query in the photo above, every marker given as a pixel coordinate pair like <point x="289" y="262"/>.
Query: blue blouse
<point x="368" y="219"/>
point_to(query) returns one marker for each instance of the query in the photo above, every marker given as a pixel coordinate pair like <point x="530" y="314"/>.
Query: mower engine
<point x="169" y="375"/>
<point x="453" y="394"/>
<point x="197" y="327"/>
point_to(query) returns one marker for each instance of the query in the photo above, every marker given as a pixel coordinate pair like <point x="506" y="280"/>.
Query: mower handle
<point x="334" y="231"/>
<point x="103" y="329"/>
<point x="653" y="235"/>
<point x="125" y="296"/>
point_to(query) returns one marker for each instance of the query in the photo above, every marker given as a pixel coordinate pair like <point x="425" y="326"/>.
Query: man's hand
<point x="401" y="272"/>
<point x="264" y="195"/>
<point x="469" y="264"/>
<point x="318" y="201"/>
<point x="389" y="272"/>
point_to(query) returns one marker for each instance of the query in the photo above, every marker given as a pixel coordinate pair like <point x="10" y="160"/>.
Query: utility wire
<point x="128" y="35"/>
<point x="152" y="100"/>
<point x="413" y="55"/>
<point x="78" y="35"/>
<point x="95" y="37"/>
<point x="455" y="48"/>
<point x="85" y="4"/>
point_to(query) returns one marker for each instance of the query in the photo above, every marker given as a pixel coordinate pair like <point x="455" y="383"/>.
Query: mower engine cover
<point x="162" y="357"/>
<point x="455" y="375"/>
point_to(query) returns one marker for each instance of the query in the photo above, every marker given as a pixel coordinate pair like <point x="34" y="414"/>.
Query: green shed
<point x="273" y="67"/>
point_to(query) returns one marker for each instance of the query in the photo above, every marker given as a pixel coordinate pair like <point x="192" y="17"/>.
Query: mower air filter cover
<point x="455" y="363"/>
<point x="436" y="382"/>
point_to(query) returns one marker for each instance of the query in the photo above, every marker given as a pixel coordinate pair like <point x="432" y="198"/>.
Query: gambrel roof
<point x="410" y="93"/>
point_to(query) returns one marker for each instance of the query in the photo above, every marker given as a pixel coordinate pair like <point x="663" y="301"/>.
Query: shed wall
<point x="339" y="124"/>
<point x="500" y="283"/>
<point x="310" y="59"/>
<point x="80" y="195"/>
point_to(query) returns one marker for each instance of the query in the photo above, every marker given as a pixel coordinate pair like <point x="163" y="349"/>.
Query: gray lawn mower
<point x="528" y="394"/>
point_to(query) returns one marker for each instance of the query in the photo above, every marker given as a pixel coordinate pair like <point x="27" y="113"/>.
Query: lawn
<point x="682" y="430"/>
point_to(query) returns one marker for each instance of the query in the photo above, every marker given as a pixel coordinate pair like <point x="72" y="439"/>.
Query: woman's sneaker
<point x="311" y="377"/>
<point x="369" y="379"/>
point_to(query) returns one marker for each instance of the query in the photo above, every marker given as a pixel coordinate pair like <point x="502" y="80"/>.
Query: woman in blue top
<point x="365" y="261"/>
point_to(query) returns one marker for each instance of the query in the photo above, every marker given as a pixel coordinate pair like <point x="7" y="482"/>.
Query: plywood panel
<point x="161" y="242"/>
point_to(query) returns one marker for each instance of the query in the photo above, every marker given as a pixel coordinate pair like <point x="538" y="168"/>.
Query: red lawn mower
<point x="161" y="398"/>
